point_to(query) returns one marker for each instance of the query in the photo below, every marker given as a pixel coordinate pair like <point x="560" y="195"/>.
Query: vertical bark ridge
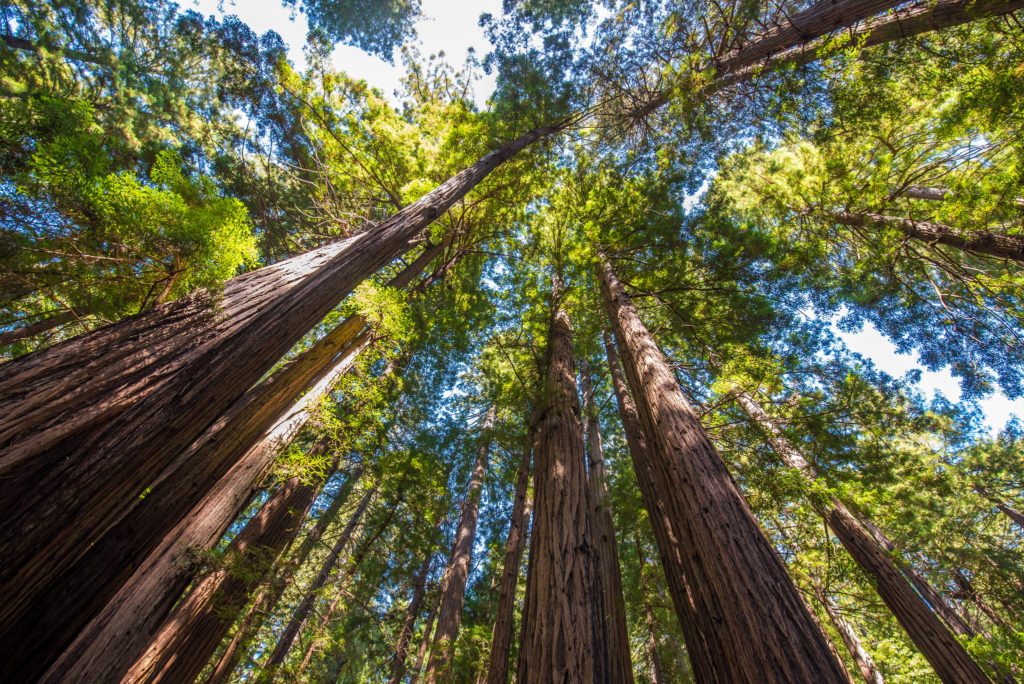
<point x="756" y="627"/>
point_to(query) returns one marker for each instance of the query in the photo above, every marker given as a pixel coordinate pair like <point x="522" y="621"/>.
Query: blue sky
<point x="452" y="27"/>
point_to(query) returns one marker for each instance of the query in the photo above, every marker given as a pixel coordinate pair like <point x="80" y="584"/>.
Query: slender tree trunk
<point x="998" y="245"/>
<point x="501" y="636"/>
<point x="40" y="327"/>
<point x="619" y="663"/>
<point x="937" y="194"/>
<point x="865" y="663"/>
<point x="655" y="669"/>
<point x="756" y="627"/>
<point x="1004" y="508"/>
<point x="195" y="628"/>
<point x="270" y="595"/>
<point x="950" y="660"/>
<point x="419" y="587"/>
<point x="968" y="591"/>
<point x="112" y="409"/>
<point x="563" y="637"/>
<point x="298" y="618"/>
<point x="428" y="632"/>
<point x="273" y="411"/>
<point x="450" y="615"/>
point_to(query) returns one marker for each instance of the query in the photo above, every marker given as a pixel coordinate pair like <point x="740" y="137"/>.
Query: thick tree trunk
<point x="119" y="633"/>
<point x="192" y="632"/>
<point x="865" y="663"/>
<point x="112" y="409"/>
<point x="619" y="663"/>
<point x="755" y="625"/>
<point x="40" y="327"/>
<point x="1004" y="508"/>
<point x="450" y="615"/>
<point x="943" y="651"/>
<point x="298" y="618"/>
<point x="501" y="636"/>
<point x="265" y="602"/>
<point x="998" y="245"/>
<point x="563" y="637"/>
<point x="419" y="587"/>
<point x="428" y="633"/>
<point x="279" y="405"/>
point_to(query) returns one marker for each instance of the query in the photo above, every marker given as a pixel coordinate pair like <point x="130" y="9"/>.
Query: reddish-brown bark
<point x="113" y="409"/>
<point x="620" y="665"/>
<point x="865" y="663"/>
<point x="563" y="638"/>
<point x="519" y="521"/>
<point x="419" y="588"/>
<point x="755" y="627"/>
<point x="449" y="616"/>
<point x="428" y="633"/>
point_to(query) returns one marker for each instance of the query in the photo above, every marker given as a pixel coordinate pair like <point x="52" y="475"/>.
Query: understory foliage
<point x="148" y="152"/>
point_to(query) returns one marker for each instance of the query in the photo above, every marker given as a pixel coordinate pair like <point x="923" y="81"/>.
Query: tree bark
<point x="1004" y="508"/>
<point x="192" y="632"/>
<point x="755" y="625"/>
<point x="865" y="663"/>
<point x="620" y="665"/>
<point x="949" y="659"/>
<point x="428" y="632"/>
<point x="938" y="194"/>
<point x="563" y="637"/>
<point x="298" y="618"/>
<point x="405" y="635"/>
<point x="998" y="245"/>
<point x="449" y="617"/>
<point x="110" y="410"/>
<point x="279" y="404"/>
<point x="501" y="635"/>
<point x="265" y="602"/>
<point x="45" y="325"/>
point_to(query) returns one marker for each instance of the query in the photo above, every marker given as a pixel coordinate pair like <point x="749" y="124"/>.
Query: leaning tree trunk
<point x="755" y="627"/>
<point x="561" y="640"/>
<point x="419" y="588"/>
<point x="865" y="663"/>
<point x="112" y="409"/>
<point x="501" y="635"/>
<point x="619" y="663"/>
<point x="1004" y="508"/>
<point x="449" y="616"/>
<point x="268" y="597"/>
<point x="191" y="633"/>
<point x="943" y="651"/>
<point x="301" y="614"/>
<point x="983" y="242"/>
<point x="46" y="325"/>
<point x="271" y="412"/>
<point x="428" y="633"/>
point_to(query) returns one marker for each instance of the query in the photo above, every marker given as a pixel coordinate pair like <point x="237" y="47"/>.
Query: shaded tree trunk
<point x="195" y="628"/>
<point x="949" y="659"/>
<point x="265" y="418"/>
<point x="265" y="602"/>
<point x="40" y="327"/>
<point x="428" y="633"/>
<point x="301" y="614"/>
<point x="998" y="245"/>
<point x="620" y="666"/>
<point x="865" y="663"/>
<point x="112" y="409"/>
<point x="419" y="587"/>
<point x="450" y="615"/>
<point x="755" y="625"/>
<point x="501" y="635"/>
<point x="563" y="638"/>
<point x="1004" y="508"/>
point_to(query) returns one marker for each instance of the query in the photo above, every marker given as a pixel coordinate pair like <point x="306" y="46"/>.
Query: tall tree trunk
<point x="865" y="663"/>
<point x="563" y="637"/>
<point x="665" y="534"/>
<point x="428" y="633"/>
<point x="755" y="625"/>
<point x="998" y="245"/>
<point x="112" y="409"/>
<point x="449" y="616"/>
<point x="936" y="194"/>
<point x="943" y="651"/>
<point x="265" y="602"/>
<point x="45" y="325"/>
<point x="419" y="587"/>
<point x="119" y="633"/>
<point x="249" y="433"/>
<point x="298" y="618"/>
<point x="192" y="632"/>
<point x="1004" y="508"/>
<point x="501" y="636"/>
<point x="655" y="668"/>
<point x="968" y="591"/>
<point x="620" y="666"/>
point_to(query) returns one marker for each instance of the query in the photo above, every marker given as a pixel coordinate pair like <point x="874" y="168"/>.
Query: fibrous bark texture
<point x="501" y="636"/>
<point x="563" y="639"/>
<point x="449" y="616"/>
<point x="754" y="625"/>
<point x="949" y="659"/>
